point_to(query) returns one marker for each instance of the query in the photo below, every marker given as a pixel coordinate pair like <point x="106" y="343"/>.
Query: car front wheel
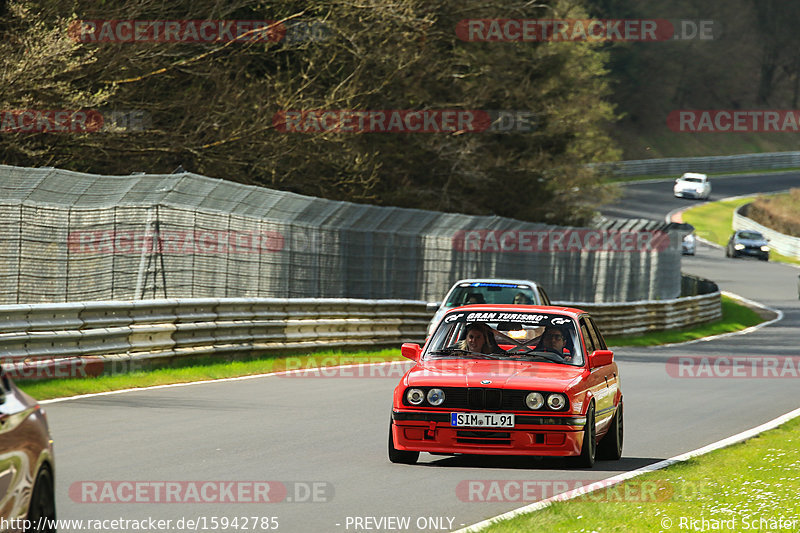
<point x="42" y="508"/>
<point x="400" y="456"/>
<point x="589" y="446"/>
<point x="610" y="446"/>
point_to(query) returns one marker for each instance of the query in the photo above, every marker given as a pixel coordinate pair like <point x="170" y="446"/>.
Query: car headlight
<point x="556" y="401"/>
<point x="415" y="396"/>
<point x="534" y="400"/>
<point x="765" y="248"/>
<point x="435" y="397"/>
<point x="739" y="246"/>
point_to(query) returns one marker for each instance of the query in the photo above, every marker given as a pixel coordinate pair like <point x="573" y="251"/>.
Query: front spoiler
<point x="532" y="435"/>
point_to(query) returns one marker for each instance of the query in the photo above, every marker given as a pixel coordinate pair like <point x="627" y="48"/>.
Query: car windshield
<point x="692" y="180"/>
<point x="751" y="235"/>
<point x="506" y="335"/>
<point x="491" y="293"/>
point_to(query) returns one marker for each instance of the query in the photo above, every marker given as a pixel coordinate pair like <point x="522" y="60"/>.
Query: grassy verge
<point x="735" y="488"/>
<point x="713" y="222"/>
<point x="735" y="317"/>
<point x="198" y="370"/>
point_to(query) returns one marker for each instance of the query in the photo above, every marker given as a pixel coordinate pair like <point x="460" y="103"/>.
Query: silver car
<point x="489" y="291"/>
<point x="688" y="245"/>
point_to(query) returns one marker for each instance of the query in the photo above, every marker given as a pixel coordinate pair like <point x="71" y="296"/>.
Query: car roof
<point x="498" y="280"/>
<point x="569" y="311"/>
<point x="694" y="175"/>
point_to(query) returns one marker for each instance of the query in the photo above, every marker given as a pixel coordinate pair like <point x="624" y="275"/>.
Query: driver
<point x="554" y="340"/>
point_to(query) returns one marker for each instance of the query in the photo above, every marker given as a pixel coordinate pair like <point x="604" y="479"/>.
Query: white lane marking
<point x="221" y="380"/>
<point x="608" y="482"/>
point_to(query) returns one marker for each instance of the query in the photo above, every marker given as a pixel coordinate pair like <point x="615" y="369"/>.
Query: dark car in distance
<point x="749" y="243"/>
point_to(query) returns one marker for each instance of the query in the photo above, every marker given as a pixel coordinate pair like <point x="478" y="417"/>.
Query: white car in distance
<point x="488" y="291"/>
<point x="692" y="185"/>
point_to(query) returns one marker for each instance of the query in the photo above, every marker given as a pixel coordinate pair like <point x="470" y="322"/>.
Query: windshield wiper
<point x="544" y="355"/>
<point x="460" y="353"/>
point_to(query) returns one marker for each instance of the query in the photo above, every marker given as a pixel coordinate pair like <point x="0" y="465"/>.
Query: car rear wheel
<point x="400" y="456"/>
<point x="589" y="446"/>
<point x="42" y="508"/>
<point x="610" y="446"/>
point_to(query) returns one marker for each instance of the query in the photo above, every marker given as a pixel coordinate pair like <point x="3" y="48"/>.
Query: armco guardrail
<point x="150" y="330"/>
<point x="781" y="243"/>
<point x="720" y="163"/>
<point x="632" y="318"/>
<point x="170" y="328"/>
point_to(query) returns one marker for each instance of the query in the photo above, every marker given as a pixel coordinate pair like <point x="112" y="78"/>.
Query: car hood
<point x="505" y="374"/>
<point x="689" y="185"/>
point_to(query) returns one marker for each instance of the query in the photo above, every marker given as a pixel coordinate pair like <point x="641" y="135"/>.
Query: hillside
<point x="745" y="60"/>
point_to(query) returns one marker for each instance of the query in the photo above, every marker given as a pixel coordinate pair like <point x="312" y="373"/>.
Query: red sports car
<point x="509" y="380"/>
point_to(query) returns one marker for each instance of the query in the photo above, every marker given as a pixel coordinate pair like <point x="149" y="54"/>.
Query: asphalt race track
<point x="329" y="435"/>
<point x="654" y="199"/>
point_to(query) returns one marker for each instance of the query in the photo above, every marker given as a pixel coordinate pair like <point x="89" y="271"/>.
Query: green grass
<point x="714" y="222"/>
<point x="758" y="478"/>
<point x="197" y="370"/>
<point x="735" y="317"/>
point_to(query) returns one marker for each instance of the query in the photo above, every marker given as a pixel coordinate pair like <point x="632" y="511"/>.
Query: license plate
<point x="482" y="420"/>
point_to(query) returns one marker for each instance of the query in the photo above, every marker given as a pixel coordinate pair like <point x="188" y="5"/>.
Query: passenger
<point x="521" y="299"/>
<point x="477" y="339"/>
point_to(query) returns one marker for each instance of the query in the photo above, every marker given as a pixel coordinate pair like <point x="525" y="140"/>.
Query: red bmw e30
<point x="509" y="380"/>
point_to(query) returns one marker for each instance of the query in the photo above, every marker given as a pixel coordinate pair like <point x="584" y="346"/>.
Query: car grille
<point x="477" y="398"/>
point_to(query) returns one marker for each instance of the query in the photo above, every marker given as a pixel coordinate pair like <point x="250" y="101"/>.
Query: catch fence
<point x="69" y="236"/>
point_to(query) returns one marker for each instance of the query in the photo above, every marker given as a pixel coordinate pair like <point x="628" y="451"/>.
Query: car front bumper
<point x="541" y="435"/>
<point x="689" y="193"/>
<point x="752" y="252"/>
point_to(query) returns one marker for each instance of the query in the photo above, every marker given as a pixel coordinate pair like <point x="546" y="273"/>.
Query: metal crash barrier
<point x="155" y="330"/>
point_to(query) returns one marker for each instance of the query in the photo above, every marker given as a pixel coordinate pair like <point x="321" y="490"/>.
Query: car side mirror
<point x="411" y="351"/>
<point x="600" y="358"/>
<point x="432" y="307"/>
